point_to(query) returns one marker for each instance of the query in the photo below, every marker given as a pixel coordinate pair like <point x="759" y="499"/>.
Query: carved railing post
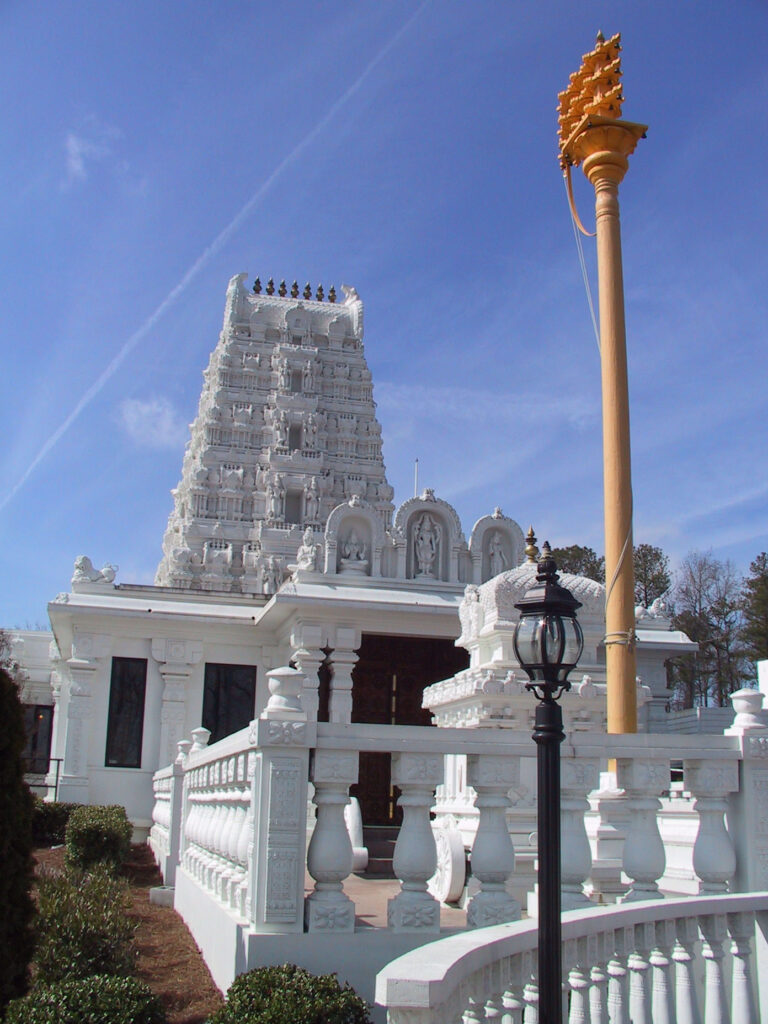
<point x="639" y="981"/>
<point x="329" y="857"/>
<point x="713" y="934"/>
<point x="686" y="1004"/>
<point x="714" y="858"/>
<point x="176" y="818"/>
<point x="282" y="737"/>
<point x="743" y="1007"/>
<point x="415" y="858"/>
<point x="578" y="777"/>
<point x="493" y="855"/>
<point x="644" y="780"/>
<point x="662" y="995"/>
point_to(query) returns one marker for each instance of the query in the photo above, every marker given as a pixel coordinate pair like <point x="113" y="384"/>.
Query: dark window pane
<point x="125" y="725"/>
<point x="37" y="728"/>
<point x="229" y="699"/>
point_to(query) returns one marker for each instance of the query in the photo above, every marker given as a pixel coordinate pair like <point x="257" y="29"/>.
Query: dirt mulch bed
<point x="169" y="961"/>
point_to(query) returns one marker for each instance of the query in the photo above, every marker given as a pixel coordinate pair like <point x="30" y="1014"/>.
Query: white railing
<point x="230" y="821"/>
<point x="646" y="963"/>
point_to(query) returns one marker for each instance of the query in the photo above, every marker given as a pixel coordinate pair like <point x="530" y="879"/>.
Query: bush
<point x="290" y="995"/>
<point x="16" y="906"/>
<point x="94" y="1000"/>
<point x="82" y="926"/>
<point x="49" y="821"/>
<point x="98" y="835"/>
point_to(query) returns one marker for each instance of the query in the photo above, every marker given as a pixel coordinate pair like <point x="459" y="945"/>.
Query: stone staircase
<point x="380" y="841"/>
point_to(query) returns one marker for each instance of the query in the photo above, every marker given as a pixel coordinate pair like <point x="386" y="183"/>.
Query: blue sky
<point x="154" y="149"/>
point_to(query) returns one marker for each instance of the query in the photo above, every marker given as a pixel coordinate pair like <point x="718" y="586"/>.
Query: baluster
<point x="713" y="934"/>
<point x="577" y="982"/>
<point x="686" y="1004"/>
<point x="415" y="858"/>
<point x="493" y="854"/>
<point x="493" y="987"/>
<point x="644" y="858"/>
<point x="597" y="955"/>
<point x="512" y="1000"/>
<point x="638" y="964"/>
<point x="714" y="859"/>
<point x="329" y="857"/>
<point x="578" y="777"/>
<point x="531" y="1000"/>
<point x="743" y="1007"/>
<point x="618" y="989"/>
<point x="662" y="1003"/>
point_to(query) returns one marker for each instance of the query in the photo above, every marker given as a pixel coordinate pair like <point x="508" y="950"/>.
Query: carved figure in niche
<point x="354" y="554"/>
<point x="271" y="577"/>
<point x="252" y="556"/>
<point x="474" y="609"/>
<point x="308" y="376"/>
<point x="275" y="494"/>
<point x="85" y="572"/>
<point x="281" y="429"/>
<point x="426" y="544"/>
<point x="312" y="501"/>
<point x="496" y="556"/>
<point x="310" y="432"/>
<point x="307" y="554"/>
<point x="283" y="375"/>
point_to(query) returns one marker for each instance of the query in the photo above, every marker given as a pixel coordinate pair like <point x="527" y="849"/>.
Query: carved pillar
<point x="493" y="855"/>
<point x="84" y="667"/>
<point x="175" y="659"/>
<point x="282" y="737"/>
<point x="714" y="859"/>
<point x="644" y="858"/>
<point x="329" y="857"/>
<point x="343" y="660"/>
<point x="578" y="777"/>
<point x="307" y="643"/>
<point x="748" y="814"/>
<point x="415" y="859"/>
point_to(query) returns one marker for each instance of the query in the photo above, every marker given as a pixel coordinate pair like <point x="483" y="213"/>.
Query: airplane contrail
<point x="206" y="256"/>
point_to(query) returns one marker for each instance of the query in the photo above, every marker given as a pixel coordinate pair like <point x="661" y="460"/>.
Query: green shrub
<point x="95" y="1000"/>
<point x="82" y="926"/>
<point x="49" y="821"/>
<point x="16" y="906"/>
<point x="290" y="995"/>
<point x="98" y="835"/>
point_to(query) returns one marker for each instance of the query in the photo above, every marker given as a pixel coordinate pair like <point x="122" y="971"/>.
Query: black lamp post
<point x="548" y="643"/>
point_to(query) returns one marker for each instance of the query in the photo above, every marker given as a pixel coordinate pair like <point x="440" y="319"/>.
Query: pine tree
<point x="580" y="561"/>
<point x="755" y="608"/>
<point x="652" y="577"/>
<point x="16" y="907"/>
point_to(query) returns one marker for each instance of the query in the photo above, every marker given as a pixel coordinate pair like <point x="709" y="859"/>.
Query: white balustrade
<point x="493" y="854"/>
<point x="578" y="777"/>
<point x="714" y="857"/>
<point x="468" y="976"/>
<point x="644" y="780"/>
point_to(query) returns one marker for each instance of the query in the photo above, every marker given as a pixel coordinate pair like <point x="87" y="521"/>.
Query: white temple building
<point x="284" y="546"/>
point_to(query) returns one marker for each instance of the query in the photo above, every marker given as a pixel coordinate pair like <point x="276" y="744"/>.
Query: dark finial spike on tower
<point x="319" y="293"/>
<point x="332" y="294"/>
<point x="270" y="287"/>
<point x="295" y="290"/>
<point x="307" y="290"/>
<point x="282" y="289"/>
<point x="257" y="286"/>
<point x="531" y="551"/>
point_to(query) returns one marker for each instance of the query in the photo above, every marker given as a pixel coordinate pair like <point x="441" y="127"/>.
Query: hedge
<point x="98" y="835"/>
<point x="49" y="822"/>
<point x="98" y="999"/>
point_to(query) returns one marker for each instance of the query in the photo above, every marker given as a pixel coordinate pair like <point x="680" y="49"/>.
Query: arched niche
<point x="297" y="324"/>
<point x="354" y="538"/>
<point x="429" y="539"/>
<point x="496" y="545"/>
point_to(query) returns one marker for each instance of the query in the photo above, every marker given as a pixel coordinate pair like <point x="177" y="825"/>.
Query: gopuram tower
<point x="285" y="431"/>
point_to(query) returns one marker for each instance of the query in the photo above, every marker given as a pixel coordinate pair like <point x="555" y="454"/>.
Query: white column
<point x="307" y="642"/>
<point x="714" y="858"/>
<point x="343" y="660"/>
<point x="644" y="780"/>
<point x="415" y="858"/>
<point x="282" y="737"/>
<point x="493" y="855"/>
<point x="662" y="996"/>
<point x="578" y="777"/>
<point x="743" y="1006"/>
<point x="713" y="934"/>
<point x="639" y="981"/>
<point x="86" y="669"/>
<point x="329" y="857"/>
<point x="686" y="1004"/>
<point x="175" y="659"/>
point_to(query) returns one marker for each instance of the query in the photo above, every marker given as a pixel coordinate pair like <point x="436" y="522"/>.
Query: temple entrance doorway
<point x="387" y="685"/>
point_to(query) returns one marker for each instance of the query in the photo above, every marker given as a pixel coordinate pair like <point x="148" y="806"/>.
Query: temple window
<point x="293" y="507"/>
<point x="125" y="722"/>
<point x="229" y="698"/>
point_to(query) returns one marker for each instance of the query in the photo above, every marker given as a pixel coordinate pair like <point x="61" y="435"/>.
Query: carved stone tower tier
<point x="286" y="430"/>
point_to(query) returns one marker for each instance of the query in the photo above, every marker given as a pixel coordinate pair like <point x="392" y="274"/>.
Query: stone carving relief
<point x="84" y="571"/>
<point x="427" y="539"/>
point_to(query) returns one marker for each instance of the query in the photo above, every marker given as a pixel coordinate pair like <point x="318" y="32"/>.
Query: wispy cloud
<point x="90" y="143"/>
<point x="152" y="423"/>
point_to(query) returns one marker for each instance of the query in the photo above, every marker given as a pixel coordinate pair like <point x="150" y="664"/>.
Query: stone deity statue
<point x="312" y="501"/>
<point x="354" y="554"/>
<point x="307" y="553"/>
<point x="426" y="544"/>
<point x="271" y="576"/>
<point x="496" y="556"/>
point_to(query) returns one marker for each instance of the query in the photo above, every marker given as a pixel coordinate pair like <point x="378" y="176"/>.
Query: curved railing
<point x="635" y="962"/>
